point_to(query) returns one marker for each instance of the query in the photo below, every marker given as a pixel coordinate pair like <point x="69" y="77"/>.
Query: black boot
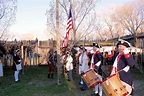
<point x="48" y="76"/>
<point x="52" y="75"/>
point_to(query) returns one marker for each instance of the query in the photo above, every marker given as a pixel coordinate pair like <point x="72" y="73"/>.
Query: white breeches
<point x="16" y="75"/>
<point x="98" y="88"/>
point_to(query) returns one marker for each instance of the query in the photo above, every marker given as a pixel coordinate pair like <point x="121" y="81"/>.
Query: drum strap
<point x="114" y="67"/>
<point x="92" y="60"/>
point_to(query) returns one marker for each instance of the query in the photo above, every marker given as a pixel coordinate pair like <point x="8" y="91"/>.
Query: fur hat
<point x="123" y="42"/>
<point x="96" y="45"/>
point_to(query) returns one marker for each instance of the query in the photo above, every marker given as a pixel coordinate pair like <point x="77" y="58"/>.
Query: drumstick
<point x="120" y="71"/>
<point x="117" y="73"/>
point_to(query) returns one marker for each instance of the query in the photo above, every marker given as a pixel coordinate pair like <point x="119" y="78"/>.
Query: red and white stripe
<point x="68" y="29"/>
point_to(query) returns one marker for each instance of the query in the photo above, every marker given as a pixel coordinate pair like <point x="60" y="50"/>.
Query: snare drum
<point x="113" y="86"/>
<point x="91" y="78"/>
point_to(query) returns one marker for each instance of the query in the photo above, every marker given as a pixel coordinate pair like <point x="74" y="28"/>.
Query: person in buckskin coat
<point x="122" y="62"/>
<point x="50" y="61"/>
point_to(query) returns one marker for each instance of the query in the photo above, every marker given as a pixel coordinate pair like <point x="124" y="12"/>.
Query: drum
<point x="91" y="78"/>
<point x="113" y="86"/>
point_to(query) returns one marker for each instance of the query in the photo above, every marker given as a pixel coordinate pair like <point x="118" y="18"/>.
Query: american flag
<point x="68" y="29"/>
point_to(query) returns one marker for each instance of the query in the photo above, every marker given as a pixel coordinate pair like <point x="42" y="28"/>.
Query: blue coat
<point x="98" y="57"/>
<point x="123" y="62"/>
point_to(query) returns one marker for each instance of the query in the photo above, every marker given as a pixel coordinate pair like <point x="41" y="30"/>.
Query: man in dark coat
<point x="16" y="61"/>
<point x="96" y="62"/>
<point x="122" y="62"/>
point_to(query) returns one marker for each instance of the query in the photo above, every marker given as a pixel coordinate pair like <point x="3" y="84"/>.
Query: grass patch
<point x="34" y="82"/>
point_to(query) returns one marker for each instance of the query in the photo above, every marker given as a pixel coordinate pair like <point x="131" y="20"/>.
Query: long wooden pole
<point x="22" y="56"/>
<point x="58" y="43"/>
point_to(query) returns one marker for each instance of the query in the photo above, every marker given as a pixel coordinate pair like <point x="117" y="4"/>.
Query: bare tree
<point x="81" y="11"/>
<point x="110" y="26"/>
<point x="7" y="15"/>
<point x="114" y="29"/>
<point x="51" y="21"/>
<point x="98" y="26"/>
<point x="131" y="17"/>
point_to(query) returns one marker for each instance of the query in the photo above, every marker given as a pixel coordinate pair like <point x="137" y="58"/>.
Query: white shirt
<point x="83" y="63"/>
<point x="69" y="65"/>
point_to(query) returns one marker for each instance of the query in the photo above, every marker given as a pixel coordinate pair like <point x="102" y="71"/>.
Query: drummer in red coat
<point x="96" y="62"/>
<point x="122" y="62"/>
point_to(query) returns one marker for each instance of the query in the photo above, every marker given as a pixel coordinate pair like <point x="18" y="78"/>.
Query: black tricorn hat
<point x="82" y="47"/>
<point x="123" y="42"/>
<point x="96" y="45"/>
